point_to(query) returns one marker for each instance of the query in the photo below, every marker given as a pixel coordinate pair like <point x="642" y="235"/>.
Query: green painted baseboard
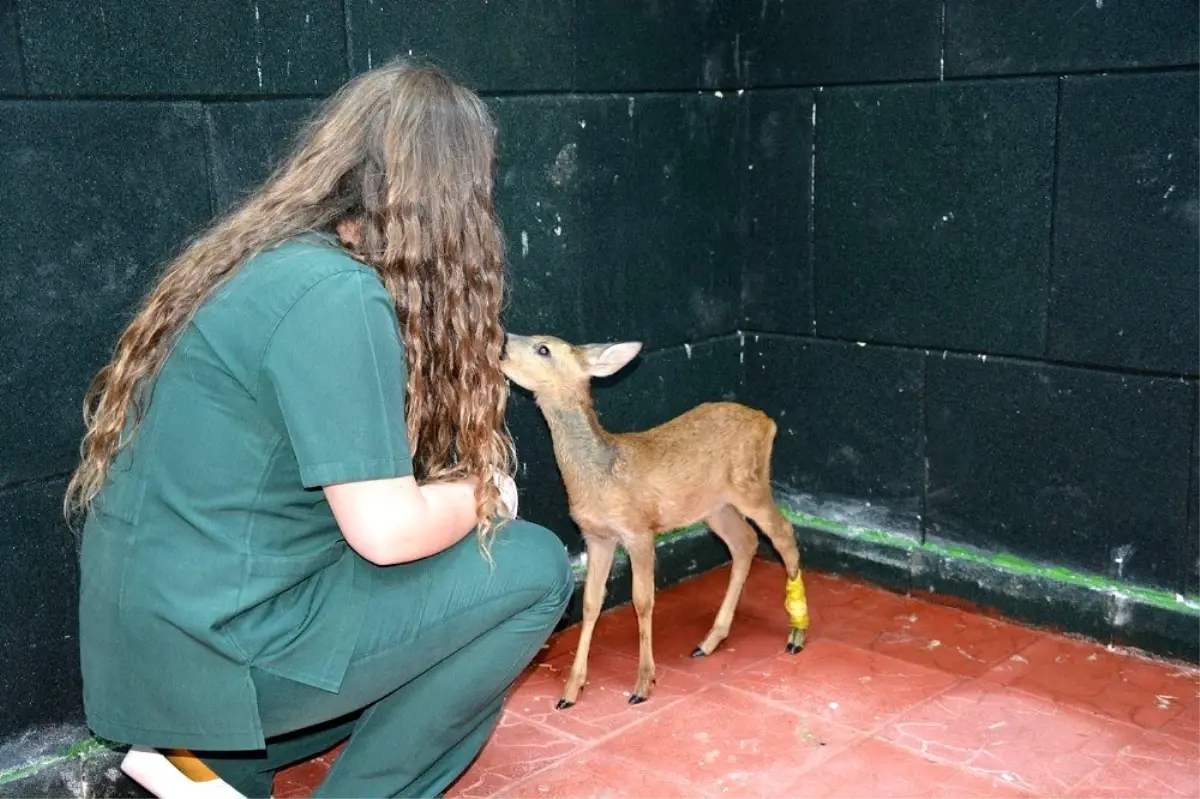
<point x="1002" y="561"/>
<point x="87" y="749"/>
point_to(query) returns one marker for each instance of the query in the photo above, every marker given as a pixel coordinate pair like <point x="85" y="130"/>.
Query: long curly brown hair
<point x="408" y="154"/>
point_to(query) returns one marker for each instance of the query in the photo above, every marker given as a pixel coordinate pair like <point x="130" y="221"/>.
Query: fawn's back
<point x="675" y="474"/>
<point x="648" y="481"/>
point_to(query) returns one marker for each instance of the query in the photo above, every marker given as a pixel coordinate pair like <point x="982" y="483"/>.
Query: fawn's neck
<point x="581" y="445"/>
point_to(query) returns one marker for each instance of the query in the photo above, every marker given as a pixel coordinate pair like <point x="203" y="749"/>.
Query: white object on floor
<point x="151" y="769"/>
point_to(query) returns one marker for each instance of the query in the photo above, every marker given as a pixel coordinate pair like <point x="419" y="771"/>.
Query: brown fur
<point x="711" y="463"/>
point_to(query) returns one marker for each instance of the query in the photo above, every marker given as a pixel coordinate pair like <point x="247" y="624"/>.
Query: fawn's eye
<point x="543" y="350"/>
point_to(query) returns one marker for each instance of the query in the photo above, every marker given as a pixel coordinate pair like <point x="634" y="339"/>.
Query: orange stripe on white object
<point x="161" y="777"/>
<point x="192" y="767"/>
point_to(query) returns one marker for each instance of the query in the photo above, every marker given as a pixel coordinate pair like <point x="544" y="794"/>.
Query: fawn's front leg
<point x="641" y="563"/>
<point x="599" y="563"/>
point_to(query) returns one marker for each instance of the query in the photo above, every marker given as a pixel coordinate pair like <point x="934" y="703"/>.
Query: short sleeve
<point x="337" y="368"/>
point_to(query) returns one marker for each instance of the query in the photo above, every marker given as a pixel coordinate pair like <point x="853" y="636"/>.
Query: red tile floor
<point x="892" y="696"/>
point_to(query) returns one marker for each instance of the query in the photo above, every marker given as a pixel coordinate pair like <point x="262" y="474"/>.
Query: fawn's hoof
<point x="699" y="653"/>
<point x="563" y="704"/>
<point x="636" y="699"/>
<point x="795" y="641"/>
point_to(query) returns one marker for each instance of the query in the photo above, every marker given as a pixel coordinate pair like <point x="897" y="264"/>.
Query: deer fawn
<point x="712" y="464"/>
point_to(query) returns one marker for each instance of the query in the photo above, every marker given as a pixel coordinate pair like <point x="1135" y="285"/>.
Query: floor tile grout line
<point x="1191" y="741"/>
<point x="887" y="720"/>
<point x="1062" y="705"/>
<point x="509" y="783"/>
<point x="985" y="684"/>
<point x="962" y="683"/>
<point x="673" y="778"/>
<point x="941" y="761"/>
<point x="862" y="735"/>
<point x="1057" y="702"/>
<point x="583" y="745"/>
<point x="857" y="738"/>
<point x="1099" y="767"/>
<point x="593" y="744"/>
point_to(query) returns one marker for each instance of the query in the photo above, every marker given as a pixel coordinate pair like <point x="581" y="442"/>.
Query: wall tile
<point x="515" y="44"/>
<point x="1028" y="36"/>
<point x="205" y="47"/>
<point x="658" y="203"/>
<point x="1083" y="469"/>
<point x="608" y="239"/>
<point x="536" y="199"/>
<point x="12" y="71"/>
<point x="1125" y="285"/>
<point x="932" y="219"/>
<point x="1192" y="553"/>
<point x="646" y="44"/>
<point x="833" y="41"/>
<point x="248" y="140"/>
<point x="38" y="574"/>
<point x="850" y="422"/>
<point x="99" y="195"/>
<point x="40" y="684"/>
<point x="39" y="592"/>
<point x="777" y="264"/>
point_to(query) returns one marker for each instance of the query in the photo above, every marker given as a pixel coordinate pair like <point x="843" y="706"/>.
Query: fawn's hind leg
<point x="761" y="508"/>
<point x="742" y="541"/>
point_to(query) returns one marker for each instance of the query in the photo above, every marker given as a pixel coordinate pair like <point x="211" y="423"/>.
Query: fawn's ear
<point x="603" y="360"/>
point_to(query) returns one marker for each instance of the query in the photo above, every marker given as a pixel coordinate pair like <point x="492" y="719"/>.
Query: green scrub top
<point x="211" y="548"/>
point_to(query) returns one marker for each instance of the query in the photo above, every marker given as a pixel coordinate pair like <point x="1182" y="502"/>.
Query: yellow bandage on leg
<point x="796" y="603"/>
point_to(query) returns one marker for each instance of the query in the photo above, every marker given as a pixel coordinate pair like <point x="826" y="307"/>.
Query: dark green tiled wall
<point x="833" y="41"/>
<point x="200" y="47"/>
<point x="984" y="37"/>
<point x="1191" y="549"/>
<point x="850" y="426"/>
<point x="775" y="214"/>
<point x="97" y="196"/>
<point x="503" y="45"/>
<point x="39" y="661"/>
<point x="933" y="214"/>
<point x="1126" y="248"/>
<point x="12" y="72"/>
<point x="1086" y="469"/>
<point x="656" y="45"/>
<point x="246" y="140"/>
<point x="620" y="213"/>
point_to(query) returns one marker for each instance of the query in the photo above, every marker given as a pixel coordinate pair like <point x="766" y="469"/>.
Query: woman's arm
<point x="396" y="521"/>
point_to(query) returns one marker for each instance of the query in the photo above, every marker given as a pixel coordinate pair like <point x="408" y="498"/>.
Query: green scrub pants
<point x="443" y="640"/>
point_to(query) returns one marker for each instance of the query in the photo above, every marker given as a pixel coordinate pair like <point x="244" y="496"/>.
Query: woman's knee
<point x="540" y="557"/>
